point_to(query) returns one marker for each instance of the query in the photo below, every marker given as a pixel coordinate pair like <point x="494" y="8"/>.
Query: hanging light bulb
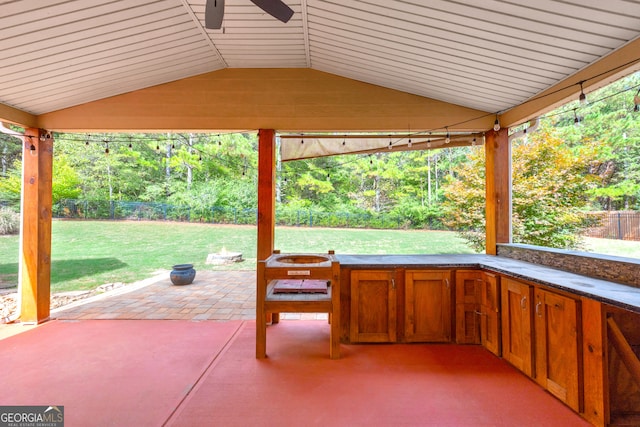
<point x="344" y="142"/>
<point x="32" y="148"/>
<point x="328" y="177"/>
<point x="473" y="142"/>
<point x="370" y="161"/>
<point x="576" y="120"/>
<point x="106" y="147"/>
<point x="447" y="138"/>
<point x="157" y="147"/>
<point x="390" y="145"/>
<point x="583" y="97"/>
<point x="636" y="102"/>
<point x="496" y="124"/>
<point x="200" y="158"/>
<point x="409" y="144"/>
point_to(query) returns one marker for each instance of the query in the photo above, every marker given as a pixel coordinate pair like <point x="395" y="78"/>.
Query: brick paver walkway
<point x="213" y="295"/>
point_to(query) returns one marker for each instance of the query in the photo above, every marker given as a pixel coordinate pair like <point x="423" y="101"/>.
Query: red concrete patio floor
<point x="199" y="369"/>
<point x="186" y="373"/>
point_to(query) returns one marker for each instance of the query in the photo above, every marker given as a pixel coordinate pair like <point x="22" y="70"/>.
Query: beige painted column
<point x="498" y="189"/>
<point x="35" y="232"/>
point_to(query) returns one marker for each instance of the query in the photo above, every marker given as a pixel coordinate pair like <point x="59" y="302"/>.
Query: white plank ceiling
<point x="485" y="54"/>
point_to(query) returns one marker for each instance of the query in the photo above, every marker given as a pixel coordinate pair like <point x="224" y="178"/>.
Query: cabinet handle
<point x="538" y="308"/>
<point x="523" y="302"/>
<point x="479" y="313"/>
<point x="393" y="283"/>
<point x="446" y="281"/>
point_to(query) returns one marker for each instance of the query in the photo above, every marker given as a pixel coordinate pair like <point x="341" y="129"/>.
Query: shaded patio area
<point x="157" y="354"/>
<point x="186" y="373"/>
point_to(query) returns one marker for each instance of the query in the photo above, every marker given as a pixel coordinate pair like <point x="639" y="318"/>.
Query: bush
<point x="9" y="222"/>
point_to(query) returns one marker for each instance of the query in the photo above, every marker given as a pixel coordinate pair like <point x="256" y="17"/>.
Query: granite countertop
<point x="616" y="294"/>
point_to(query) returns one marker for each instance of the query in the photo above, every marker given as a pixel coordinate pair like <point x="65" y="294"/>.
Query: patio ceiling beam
<point x="16" y="116"/>
<point x="612" y="67"/>
<point x="35" y="230"/>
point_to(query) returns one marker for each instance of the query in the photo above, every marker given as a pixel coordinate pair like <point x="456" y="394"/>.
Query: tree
<point x="549" y="193"/>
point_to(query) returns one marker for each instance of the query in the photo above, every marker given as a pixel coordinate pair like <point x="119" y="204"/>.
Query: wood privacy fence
<point x="621" y="225"/>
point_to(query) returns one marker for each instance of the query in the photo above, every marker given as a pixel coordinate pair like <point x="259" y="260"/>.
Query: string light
<point x="583" y="97"/>
<point x="496" y="124"/>
<point x="576" y="120"/>
<point x="106" y="147"/>
<point x="447" y="139"/>
<point x="409" y="144"/>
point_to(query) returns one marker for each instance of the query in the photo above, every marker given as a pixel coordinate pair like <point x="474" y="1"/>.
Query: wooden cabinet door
<point x="468" y="314"/>
<point x="557" y="346"/>
<point x="490" y="309"/>
<point x="427" y="306"/>
<point x="373" y="306"/>
<point x="517" y="324"/>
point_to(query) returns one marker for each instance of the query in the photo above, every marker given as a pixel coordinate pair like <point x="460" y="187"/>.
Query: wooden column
<point x="266" y="192"/>
<point x="35" y="233"/>
<point x="498" y="189"/>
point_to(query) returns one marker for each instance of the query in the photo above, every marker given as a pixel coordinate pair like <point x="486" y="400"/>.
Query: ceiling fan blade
<point x="276" y="8"/>
<point x="213" y="14"/>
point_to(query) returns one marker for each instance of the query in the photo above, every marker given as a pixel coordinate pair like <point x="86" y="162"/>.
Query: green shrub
<point x="9" y="221"/>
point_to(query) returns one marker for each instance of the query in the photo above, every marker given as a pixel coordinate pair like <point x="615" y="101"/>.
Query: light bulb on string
<point x="409" y="144"/>
<point x="473" y="142"/>
<point x="582" y="98"/>
<point x="496" y="124"/>
<point x="32" y="147"/>
<point x="447" y="138"/>
<point x="576" y="119"/>
<point x="106" y="148"/>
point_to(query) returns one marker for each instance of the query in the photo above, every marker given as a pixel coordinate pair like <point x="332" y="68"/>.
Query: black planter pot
<point x="182" y="274"/>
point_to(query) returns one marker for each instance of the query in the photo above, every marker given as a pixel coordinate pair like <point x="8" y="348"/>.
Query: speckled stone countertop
<point x="623" y="296"/>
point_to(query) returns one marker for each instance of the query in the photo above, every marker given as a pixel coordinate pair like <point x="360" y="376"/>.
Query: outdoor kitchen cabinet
<point x="468" y="289"/>
<point x="373" y="306"/>
<point x="400" y="305"/>
<point x="478" y="309"/>
<point x="427" y="306"/>
<point x="490" y="313"/>
<point x="517" y="324"/>
<point x="558" y="347"/>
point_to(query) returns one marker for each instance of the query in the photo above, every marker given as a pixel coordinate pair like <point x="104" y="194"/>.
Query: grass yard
<point x="86" y="254"/>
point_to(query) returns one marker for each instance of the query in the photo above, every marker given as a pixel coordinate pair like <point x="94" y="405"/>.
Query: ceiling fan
<point x="214" y="11"/>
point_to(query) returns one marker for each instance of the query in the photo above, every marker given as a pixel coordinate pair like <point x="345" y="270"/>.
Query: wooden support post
<point x="35" y="233"/>
<point x="498" y="189"/>
<point x="266" y="203"/>
<point x="266" y="192"/>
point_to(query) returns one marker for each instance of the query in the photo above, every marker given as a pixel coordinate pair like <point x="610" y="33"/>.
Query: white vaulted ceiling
<point x="486" y="54"/>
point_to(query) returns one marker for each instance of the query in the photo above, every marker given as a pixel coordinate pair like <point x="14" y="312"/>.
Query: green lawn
<point x="86" y="254"/>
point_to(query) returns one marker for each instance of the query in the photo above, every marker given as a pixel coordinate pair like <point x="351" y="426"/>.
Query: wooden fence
<point x="621" y="225"/>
